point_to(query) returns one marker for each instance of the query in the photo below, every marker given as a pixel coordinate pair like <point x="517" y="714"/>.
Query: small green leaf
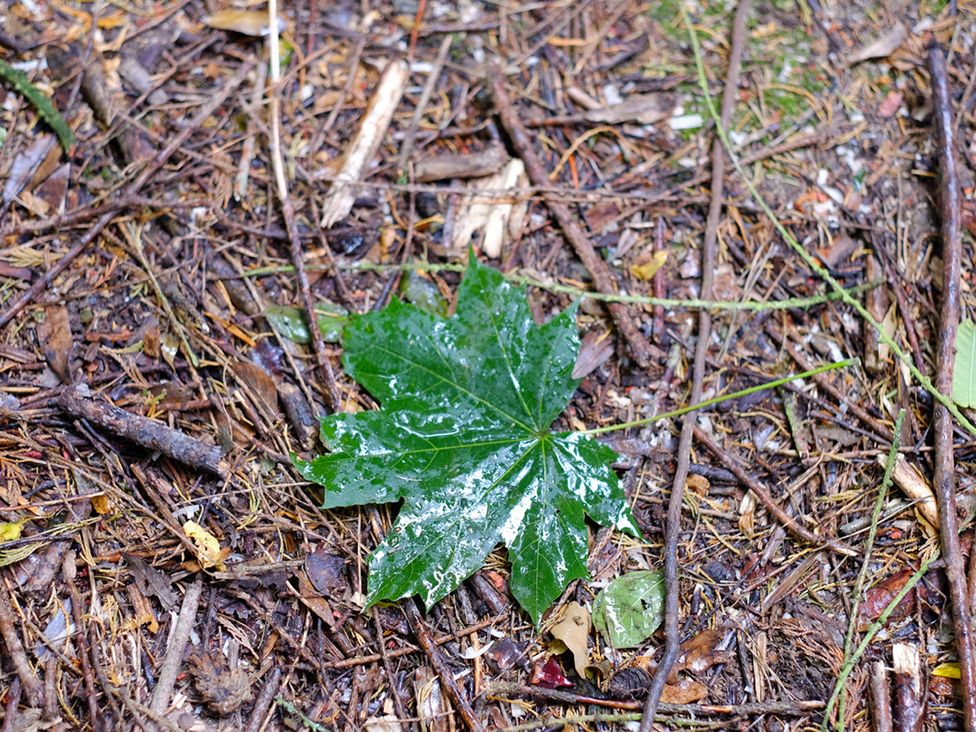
<point x="463" y="440"/>
<point x="630" y="608"/>
<point x="290" y="322"/>
<point x="964" y="374"/>
<point x="18" y="79"/>
<point x="423" y="293"/>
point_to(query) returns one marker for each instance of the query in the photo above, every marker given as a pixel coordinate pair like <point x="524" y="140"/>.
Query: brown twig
<point x="788" y="522"/>
<point x="595" y="265"/>
<point x="944" y="475"/>
<point x="672" y="531"/>
<point x="420" y="630"/>
<point x="81" y="636"/>
<point x="263" y="702"/>
<point x="10" y="710"/>
<point x="173" y="661"/>
<point x="132" y="189"/>
<point x="880" y="698"/>
<point x="288" y="211"/>
<point x="148" y="433"/>
<point x="505" y="688"/>
<point x="33" y="688"/>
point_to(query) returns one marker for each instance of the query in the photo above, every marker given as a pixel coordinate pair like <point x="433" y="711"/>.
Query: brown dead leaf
<point x="686" y="691"/>
<point x="884" y="46"/>
<point x="54" y="337"/>
<point x="246" y="22"/>
<point x="596" y="348"/>
<point x="573" y="629"/>
<point x="325" y="571"/>
<point x="699" y="653"/>
<point x="261" y="384"/>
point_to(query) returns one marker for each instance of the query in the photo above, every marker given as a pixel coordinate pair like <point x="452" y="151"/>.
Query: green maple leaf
<point x="463" y="440"/>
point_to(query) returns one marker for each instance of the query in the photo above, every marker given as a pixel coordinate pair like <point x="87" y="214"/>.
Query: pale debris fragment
<point x="913" y="485"/>
<point x="365" y="143"/>
<point x="496" y="216"/>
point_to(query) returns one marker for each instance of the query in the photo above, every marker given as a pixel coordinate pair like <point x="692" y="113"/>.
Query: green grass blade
<point x="18" y="79"/>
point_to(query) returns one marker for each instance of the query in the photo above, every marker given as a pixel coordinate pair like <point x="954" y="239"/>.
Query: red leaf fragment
<point x="549" y="675"/>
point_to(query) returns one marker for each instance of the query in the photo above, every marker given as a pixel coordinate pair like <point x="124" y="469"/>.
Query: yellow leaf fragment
<point x="647" y="270"/>
<point x="207" y="546"/>
<point x="11" y="530"/>
<point x="948" y="671"/>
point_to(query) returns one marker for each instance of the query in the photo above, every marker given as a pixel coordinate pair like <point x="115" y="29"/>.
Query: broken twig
<point x="148" y="433"/>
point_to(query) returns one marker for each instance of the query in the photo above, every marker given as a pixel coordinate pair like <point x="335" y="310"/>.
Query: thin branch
<point x="944" y="476"/>
<point x="673" y="528"/>
<point x="288" y="211"/>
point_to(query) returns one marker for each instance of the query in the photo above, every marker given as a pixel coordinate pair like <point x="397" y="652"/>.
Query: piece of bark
<point x="365" y="143"/>
<point x="880" y="698"/>
<point x="148" y="433"/>
<point x="463" y="165"/>
<point x="173" y="661"/>
<point x="909" y="703"/>
<point x="877" y="303"/>
<point x="913" y="485"/>
<point x="54" y="337"/>
<point x="500" y="219"/>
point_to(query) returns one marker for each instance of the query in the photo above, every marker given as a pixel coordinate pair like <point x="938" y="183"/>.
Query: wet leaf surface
<point x="290" y="322"/>
<point x="463" y="438"/>
<point x="630" y="608"/>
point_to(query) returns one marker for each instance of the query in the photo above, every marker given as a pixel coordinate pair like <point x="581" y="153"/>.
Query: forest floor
<point x="189" y="579"/>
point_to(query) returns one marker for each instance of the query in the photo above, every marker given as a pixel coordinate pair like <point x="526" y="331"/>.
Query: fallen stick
<point x="148" y="433"/>
<point x="439" y="663"/>
<point x="672" y="528"/>
<point x="32" y="686"/>
<point x="366" y="142"/>
<point x="944" y="479"/>
<point x="130" y="190"/>
<point x="595" y="265"/>
<point x="173" y="661"/>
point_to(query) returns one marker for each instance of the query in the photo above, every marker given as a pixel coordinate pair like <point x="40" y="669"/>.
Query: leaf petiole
<point x="723" y="398"/>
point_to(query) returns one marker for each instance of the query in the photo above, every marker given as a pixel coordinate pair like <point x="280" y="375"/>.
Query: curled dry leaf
<point x="246" y="22"/>
<point x="573" y="629"/>
<point x="648" y="267"/>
